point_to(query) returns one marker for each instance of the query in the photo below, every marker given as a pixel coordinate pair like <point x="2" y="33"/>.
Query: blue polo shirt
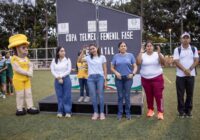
<point x="123" y="63"/>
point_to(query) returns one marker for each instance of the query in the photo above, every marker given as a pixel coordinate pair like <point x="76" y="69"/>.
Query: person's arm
<point x="160" y="56"/>
<point x="196" y="60"/>
<point x="53" y="71"/>
<point x="139" y="57"/>
<point x="81" y="55"/>
<point x="69" y="68"/>
<point x="130" y="76"/>
<point x="105" y="74"/>
<point x="30" y="71"/>
<point x="195" y="63"/>
<point x="179" y="65"/>
<point x="112" y="68"/>
<point x="18" y="69"/>
<point x="135" y="68"/>
<point x="4" y="67"/>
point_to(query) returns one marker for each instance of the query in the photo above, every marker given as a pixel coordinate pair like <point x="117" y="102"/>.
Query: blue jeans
<point x="96" y="87"/>
<point x="123" y="91"/>
<point x="83" y="85"/>
<point x="63" y="92"/>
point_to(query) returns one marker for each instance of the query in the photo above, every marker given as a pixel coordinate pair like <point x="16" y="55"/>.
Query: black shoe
<point x="33" y="111"/>
<point x="24" y="110"/>
<point x="21" y="112"/>
<point x="181" y="115"/>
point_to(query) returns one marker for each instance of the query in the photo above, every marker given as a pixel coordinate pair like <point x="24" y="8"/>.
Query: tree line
<point x="159" y="17"/>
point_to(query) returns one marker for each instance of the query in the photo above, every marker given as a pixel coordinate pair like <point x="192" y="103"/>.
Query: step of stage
<point x="49" y="104"/>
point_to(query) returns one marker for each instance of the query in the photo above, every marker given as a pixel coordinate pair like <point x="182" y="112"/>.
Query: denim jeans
<point x="63" y="92"/>
<point x="83" y="85"/>
<point x="96" y="87"/>
<point x="123" y="91"/>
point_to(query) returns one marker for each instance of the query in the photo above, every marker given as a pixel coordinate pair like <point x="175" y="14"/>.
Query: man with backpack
<point x="186" y="59"/>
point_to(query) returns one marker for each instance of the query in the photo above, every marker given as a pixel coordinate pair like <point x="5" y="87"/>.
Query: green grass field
<point x="47" y="126"/>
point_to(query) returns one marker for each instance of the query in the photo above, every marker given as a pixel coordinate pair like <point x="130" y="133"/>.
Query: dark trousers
<point x="185" y="84"/>
<point x="83" y="85"/>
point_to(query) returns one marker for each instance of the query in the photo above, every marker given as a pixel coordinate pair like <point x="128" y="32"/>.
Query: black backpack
<point x="193" y="50"/>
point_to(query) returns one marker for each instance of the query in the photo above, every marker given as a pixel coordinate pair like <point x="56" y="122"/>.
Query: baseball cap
<point x="185" y="34"/>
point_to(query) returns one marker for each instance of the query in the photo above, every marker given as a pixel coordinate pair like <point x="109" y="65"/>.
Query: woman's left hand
<point x="130" y="76"/>
<point x="158" y="49"/>
<point x="60" y="81"/>
<point x="105" y="84"/>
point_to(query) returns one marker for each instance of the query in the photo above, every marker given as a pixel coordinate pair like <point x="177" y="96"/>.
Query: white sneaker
<point x="4" y="96"/>
<point x="59" y="115"/>
<point x="87" y="99"/>
<point x="102" y="116"/>
<point x="95" y="116"/>
<point x="80" y="99"/>
<point x="68" y="116"/>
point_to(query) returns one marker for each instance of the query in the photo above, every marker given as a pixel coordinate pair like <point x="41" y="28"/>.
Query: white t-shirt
<point x="95" y="65"/>
<point x="186" y="59"/>
<point x="62" y="68"/>
<point x="150" y="66"/>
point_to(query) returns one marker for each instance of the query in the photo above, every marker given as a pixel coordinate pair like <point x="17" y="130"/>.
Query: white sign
<point x="103" y="26"/>
<point x="63" y="28"/>
<point x="20" y="2"/>
<point x="134" y="24"/>
<point x="92" y="26"/>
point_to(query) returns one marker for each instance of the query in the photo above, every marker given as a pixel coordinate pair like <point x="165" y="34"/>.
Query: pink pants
<point x="154" y="89"/>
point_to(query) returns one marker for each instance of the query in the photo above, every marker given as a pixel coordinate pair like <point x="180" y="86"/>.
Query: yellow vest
<point x="24" y="64"/>
<point x="82" y="70"/>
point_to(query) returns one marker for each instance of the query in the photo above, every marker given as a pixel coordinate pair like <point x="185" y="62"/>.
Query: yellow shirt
<point x="82" y="70"/>
<point x="24" y="64"/>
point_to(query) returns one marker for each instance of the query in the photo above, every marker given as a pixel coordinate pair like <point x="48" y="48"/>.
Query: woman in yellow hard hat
<point x="23" y="71"/>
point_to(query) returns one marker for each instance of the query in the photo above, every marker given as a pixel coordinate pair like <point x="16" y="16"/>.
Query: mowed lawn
<point x="80" y="127"/>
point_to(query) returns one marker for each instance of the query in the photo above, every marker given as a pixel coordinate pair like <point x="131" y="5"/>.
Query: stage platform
<point x="49" y="104"/>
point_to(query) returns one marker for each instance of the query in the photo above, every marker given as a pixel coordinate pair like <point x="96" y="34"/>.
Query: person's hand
<point x="59" y="77"/>
<point x="187" y="72"/>
<point x="73" y="70"/>
<point x="130" y="76"/>
<point x="158" y="49"/>
<point x="118" y="75"/>
<point x="29" y="74"/>
<point x="84" y="51"/>
<point x="142" y="50"/>
<point x="30" y="64"/>
<point x="105" y="84"/>
<point x="60" y="81"/>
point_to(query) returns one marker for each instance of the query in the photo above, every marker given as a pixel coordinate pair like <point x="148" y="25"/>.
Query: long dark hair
<point x="119" y="44"/>
<point x="57" y="53"/>
<point x="98" y="50"/>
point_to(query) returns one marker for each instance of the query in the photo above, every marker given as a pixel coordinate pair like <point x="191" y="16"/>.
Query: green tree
<point x="30" y="21"/>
